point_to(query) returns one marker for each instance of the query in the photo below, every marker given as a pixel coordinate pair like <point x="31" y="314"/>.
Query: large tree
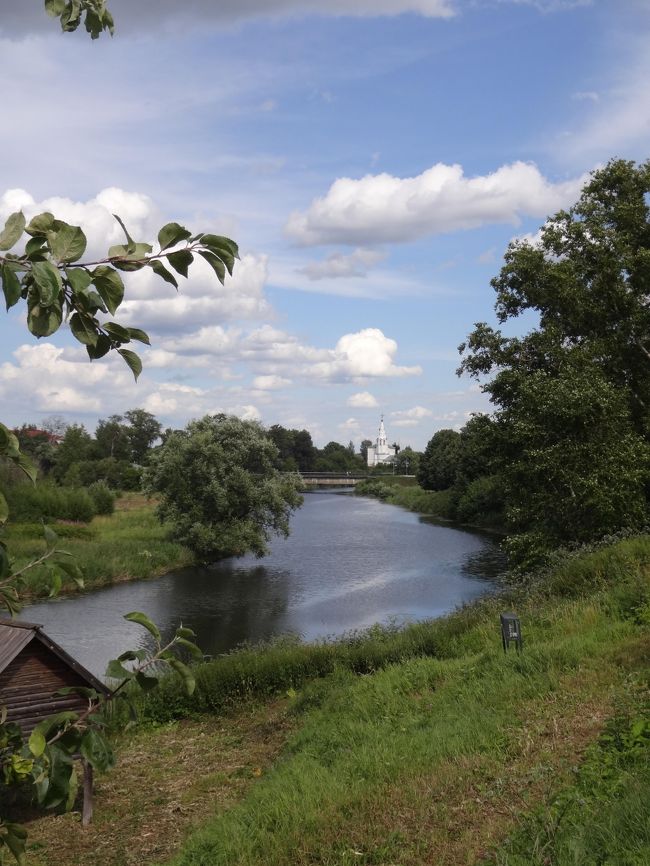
<point x="572" y="396"/>
<point x="439" y="463"/>
<point x="222" y="494"/>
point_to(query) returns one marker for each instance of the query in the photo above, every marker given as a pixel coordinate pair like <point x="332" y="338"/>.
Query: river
<point x="349" y="562"/>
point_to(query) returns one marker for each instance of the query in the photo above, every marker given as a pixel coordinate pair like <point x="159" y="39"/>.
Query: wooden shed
<point x="32" y="669"/>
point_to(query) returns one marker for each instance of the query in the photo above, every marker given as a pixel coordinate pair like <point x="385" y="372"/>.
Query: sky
<point x="372" y="158"/>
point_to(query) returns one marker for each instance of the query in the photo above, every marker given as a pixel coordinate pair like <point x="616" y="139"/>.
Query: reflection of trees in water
<point x="485" y="564"/>
<point x="227" y="604"/>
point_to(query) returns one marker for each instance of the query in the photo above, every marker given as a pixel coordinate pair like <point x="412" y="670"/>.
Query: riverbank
<point x="130" y="544"/>
<point x="426" y="744"/>
<point x="440" y="504"/>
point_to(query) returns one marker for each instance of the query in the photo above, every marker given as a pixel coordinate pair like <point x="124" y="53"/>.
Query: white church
<point x="380" y="452"/>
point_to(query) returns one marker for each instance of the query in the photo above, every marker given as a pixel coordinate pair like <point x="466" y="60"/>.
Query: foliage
<point x="572" y="395"/>
<point x="103" y="498"/>
<point x="44" y="501"/>
<point x="296" y="450"/>
<point x="96" y="16"/>
<point x="47" y="759"/>
<point x="439" y="463"/>
<point x="221" y="493"/>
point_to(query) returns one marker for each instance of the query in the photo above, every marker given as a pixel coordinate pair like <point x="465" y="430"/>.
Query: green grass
<point x="128" y="545"/>
<point x="403" y="733"/>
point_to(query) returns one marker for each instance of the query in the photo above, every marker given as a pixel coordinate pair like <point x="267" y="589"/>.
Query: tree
<point x="295" y="447"/>
<point x="440" y="461"/>
<point x="407" y="461"/>
<point x="144" y="429"/>
<point x="112" y="438"/>
<point x="363" y="450"/>
<point x="222" y="494"/>
<point x="572" y="396"/>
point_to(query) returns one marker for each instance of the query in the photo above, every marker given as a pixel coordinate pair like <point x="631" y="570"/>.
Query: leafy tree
<point x="77" y="445"/>
<point x="440" y="461"/>
<point x="112" y="438"/>
<point x="335" y="457"/>
<point x="222" y="494"/>
<point x="363" y="450"/>
<point x="295" y="447"/>
<point x="143" y="430"/>
<point x="407" y="461"/>
<point x="572" y="396"/>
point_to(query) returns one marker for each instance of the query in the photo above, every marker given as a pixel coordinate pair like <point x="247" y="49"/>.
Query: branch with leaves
<point x="96" y="16"/>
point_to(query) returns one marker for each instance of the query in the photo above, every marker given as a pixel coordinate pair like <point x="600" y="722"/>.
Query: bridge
<point x="333" y="479"/>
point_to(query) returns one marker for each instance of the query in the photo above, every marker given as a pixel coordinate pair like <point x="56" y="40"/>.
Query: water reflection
<point x="350" y="562"/>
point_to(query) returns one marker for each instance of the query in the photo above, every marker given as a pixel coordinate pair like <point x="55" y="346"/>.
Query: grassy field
<point x="129" y="544"/>
<point x="400" y="748"/>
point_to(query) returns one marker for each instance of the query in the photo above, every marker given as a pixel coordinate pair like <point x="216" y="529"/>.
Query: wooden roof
<point x="15" y="635"/>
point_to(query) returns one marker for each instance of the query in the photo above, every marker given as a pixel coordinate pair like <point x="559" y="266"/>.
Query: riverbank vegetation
<point x="426" y="744"/>
<point x="130" y="544"/>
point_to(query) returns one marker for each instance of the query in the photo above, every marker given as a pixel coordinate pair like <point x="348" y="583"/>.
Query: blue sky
<point x="373" y="168"/>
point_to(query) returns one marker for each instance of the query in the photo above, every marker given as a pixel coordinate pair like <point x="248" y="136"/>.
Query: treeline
<point x="565" y="455"/>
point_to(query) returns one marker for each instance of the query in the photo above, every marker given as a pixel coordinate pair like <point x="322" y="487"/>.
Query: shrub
<point x="102" y="497"/>
<point x="29" y="503"/>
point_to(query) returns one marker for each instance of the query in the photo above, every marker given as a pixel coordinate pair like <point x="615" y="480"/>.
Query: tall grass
<point x="130" y="544"/>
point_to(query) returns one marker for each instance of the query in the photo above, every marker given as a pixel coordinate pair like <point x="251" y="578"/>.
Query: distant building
<point x="381" y="452"/>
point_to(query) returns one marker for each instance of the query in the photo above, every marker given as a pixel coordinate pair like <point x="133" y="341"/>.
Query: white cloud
<point x="338" y="264"/>
<point x="365" y="354"/>
<point x="351" y="425"/>
<point x="586" y="96"/>
<point x="362" y="400"/>
<point x="270" y="383"/>
<point x="386" y="209"/>
<point x="410" y="417"/>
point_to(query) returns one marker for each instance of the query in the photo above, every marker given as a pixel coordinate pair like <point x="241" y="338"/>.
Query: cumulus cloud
<point x="386" y="209"/>
<point x="410" y="417"/>
<point x="338" y="264"/>
<point x="351" y="425"/>
<point x="270" y="383"/>
<point x="95" y="216"/>
<point x="362" y="400"/>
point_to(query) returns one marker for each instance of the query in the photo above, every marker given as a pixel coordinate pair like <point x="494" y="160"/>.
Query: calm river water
<point x="349" y="562"/>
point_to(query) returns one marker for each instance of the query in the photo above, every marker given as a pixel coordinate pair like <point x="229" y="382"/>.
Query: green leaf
<point x="101" y="348"/>
<point x="185" y="674"/>
<point x="143" y="620"/>
<point x="183" y="631"/>
<point x="27" y="465"/>
<point x="122" y="251"/>
<point x="172" y="234"/>
<point x="55" y="585"/>
<point x="72" y="570"/>
<point x="79" y="279"/>
<point x="190" y="647"/>
<point x="59" y="778"/>
<point x="36" y="249"/>
<point x="96" y="750"/>
<point x="84" y="329"/>
<point x="15" y="838"/>
<point x="180" y="261"/>
<point x="110" y="286"/>
<point x="4" y="509"/>
<point x="41" y="224"/>
<point x="14" y="227"/>
<point x="10" y="286"/>
<point x="217" y="243"/>
<point x="43" y="321"/>
<point x="158" y="268"/>
<point x="215" y="263"/>
<point x="37" y="743"/>
<point x="116" y="671"/>
<point x="51" y="538"/>
<point x="48" y="280"/>
<point x="68" y="243"/>
<point x="131" y="244"/>
<point x="133" y="361"/>
<point x="141" y="336"/>
<point x="54" y="7"/>
<point x="145" y="682"/>
<point x="117" y="331"/>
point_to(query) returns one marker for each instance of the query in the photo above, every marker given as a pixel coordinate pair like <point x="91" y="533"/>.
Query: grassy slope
<point x="436" y="759"/>
<point x="128" y="545"/>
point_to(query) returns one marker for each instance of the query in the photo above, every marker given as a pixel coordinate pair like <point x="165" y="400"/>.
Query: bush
<point x="29" y="503"/>
<point x="103" y="498"/>
<point x="481" y="501"/>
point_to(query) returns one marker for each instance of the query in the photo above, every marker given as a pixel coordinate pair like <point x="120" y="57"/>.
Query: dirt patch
<point x="167" y="781"/>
